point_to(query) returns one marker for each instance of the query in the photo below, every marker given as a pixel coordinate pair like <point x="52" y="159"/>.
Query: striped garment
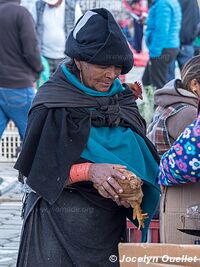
<point x="158" y="131"/>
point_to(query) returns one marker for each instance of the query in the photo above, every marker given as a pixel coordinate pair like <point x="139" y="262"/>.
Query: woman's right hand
<point x="104" y="178"/>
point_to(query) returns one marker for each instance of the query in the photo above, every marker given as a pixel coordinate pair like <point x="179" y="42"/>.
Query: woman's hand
<point x="104" y="178"/>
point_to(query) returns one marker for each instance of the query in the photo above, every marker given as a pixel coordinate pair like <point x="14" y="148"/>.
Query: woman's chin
<point x="103" y="88"/>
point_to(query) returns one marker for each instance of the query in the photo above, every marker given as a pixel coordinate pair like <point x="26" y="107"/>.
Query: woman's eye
<point x="118" y="69"/>
<point x="104" y="67"/>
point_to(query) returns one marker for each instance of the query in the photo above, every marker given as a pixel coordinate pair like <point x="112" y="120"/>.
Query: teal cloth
<point x="44" y="76"/>
<point x="120" y="145"/>
<point x="123" y="146"/>
<point x="116" y="87"/>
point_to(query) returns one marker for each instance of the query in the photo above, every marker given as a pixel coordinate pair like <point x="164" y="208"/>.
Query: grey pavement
<point x="9" y="176"/>
<point x="10" y="220"/>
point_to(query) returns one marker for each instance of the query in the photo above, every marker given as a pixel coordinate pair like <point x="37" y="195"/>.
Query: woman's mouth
<point x="105" y="84"/>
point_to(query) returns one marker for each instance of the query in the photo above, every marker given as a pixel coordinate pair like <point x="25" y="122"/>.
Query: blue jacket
<point x="163" y="26"/>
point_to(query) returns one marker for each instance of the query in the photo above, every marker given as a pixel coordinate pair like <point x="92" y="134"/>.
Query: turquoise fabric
<point x="44" y="76"/>
<point x="116" y="87"/>
<point x="123" y="146"/>
<point x="120" y="145"/>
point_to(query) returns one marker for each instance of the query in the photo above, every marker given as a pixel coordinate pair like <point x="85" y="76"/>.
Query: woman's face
<point x="97" y="77"/>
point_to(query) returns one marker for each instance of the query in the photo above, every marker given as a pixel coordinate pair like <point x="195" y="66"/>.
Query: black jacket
<point x="20" y="63"/>
<point x="190" y="20"/>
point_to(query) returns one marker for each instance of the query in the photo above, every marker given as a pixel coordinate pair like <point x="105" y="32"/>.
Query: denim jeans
<point x="138" y="35"/>
<point x="185" y="53"/>
<point x="14" y="105"/>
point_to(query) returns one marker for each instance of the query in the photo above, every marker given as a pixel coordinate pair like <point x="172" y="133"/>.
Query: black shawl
<point x="58" y="128"/>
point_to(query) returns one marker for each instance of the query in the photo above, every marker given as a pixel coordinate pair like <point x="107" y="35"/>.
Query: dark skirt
<point x="72" y="232"/>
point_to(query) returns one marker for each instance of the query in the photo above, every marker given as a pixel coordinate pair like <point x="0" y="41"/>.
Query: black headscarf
<point x="98" y="39"/>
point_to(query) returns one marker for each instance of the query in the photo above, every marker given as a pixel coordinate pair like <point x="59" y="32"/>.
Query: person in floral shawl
<point x="181" y="164"/>
<point x="180" y="170"/>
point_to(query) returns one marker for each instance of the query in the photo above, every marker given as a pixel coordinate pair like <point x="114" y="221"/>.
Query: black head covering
<point x="98" y="39"/>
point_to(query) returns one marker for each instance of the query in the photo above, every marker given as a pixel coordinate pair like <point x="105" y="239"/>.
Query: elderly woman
<point x="83" y="124"/>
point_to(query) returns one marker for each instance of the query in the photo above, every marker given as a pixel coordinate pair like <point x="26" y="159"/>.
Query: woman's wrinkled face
<point x="97" y="77"/>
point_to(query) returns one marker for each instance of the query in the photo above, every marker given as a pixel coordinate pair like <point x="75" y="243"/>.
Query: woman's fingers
<point x="95" y="186"/>
<point x="118" y="166"/>
<point x="98" y="173"/>
<point x="110" y="190"/>
<point x="125" y="204"/>
<point x="118" y="175"/>
<point x="104" y="178"/>
<point x="112" y="182"/>
<point x="103" y="192"/>
<point x="118" y="202"/>
<point x="107" y="192"/>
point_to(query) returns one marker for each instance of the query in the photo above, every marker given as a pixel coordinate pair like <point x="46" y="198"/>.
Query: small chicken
<point x="136" y="87"/>
<point x="132" y="193"/>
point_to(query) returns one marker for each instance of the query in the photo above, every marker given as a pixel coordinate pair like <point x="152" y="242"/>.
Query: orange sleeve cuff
<point x="79" y="172"/>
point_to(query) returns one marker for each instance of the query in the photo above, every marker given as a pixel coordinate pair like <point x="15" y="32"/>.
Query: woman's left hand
<point x="117" y="200"/>
<point x="105" y="177"/>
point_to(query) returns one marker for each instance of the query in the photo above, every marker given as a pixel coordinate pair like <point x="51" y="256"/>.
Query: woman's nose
<point x="111" y="72"/>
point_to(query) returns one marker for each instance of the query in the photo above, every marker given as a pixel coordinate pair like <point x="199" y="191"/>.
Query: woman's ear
<point x="78" y="64"/>
<point x="195" y="86"/>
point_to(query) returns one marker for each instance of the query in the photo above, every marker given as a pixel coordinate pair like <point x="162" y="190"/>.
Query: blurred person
<point x="177" y="104"/>
<point x="189" y="31"/>
<point x="28" y="4"/>
<point x="149" y="3"/>
<point x="83" y="125"/>
<point x="54" y="21"/>
<point x="125" y="26"/>
<point x="20" y="64"/>
<point x="162" y="38"/>
<point x="138" y="10"/>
